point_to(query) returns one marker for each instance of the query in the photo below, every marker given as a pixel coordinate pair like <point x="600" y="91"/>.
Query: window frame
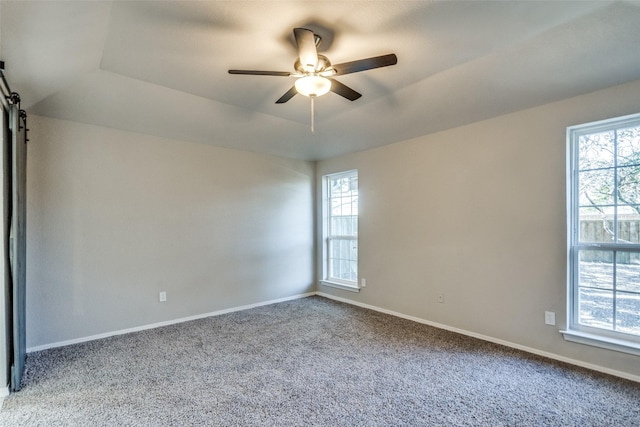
<point x="327" y="279"/>
<point x="576" y="332"/>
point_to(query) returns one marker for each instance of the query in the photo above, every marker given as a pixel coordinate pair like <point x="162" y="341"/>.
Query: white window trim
<point x="325" y="280"/>
<point x="601" y="341"/>
<point x="575" y="332"/>
<point x="341" y="285"/>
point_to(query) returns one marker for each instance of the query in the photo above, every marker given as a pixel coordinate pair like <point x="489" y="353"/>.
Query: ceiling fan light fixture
<point x="313" y="86"/>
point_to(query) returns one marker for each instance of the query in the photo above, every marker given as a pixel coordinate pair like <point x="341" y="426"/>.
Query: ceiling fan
<point x="314" y="72"/>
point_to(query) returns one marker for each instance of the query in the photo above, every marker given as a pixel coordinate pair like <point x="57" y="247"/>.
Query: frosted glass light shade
<point x="312" y="85"/>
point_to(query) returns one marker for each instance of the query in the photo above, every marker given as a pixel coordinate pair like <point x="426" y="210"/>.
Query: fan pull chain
<point x="313" y="131"/>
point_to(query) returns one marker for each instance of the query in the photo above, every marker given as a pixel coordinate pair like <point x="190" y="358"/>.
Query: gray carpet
<point x="310" y="362"/>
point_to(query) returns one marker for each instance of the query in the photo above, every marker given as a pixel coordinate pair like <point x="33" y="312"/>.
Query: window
<point x="340" y="248"/>
<point x="604" y="234"/>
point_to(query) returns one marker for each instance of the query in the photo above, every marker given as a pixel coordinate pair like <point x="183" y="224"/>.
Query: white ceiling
<point x="160" y="68"/>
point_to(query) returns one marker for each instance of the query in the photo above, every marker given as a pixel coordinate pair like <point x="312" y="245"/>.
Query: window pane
<point x="353" y="267"/>
<point x="334" y="268"/>
<point x="596" y="269"/>
<point x="629" y="208"/>
<point x="628" y="225"/>
<point x="629" y="146"/>
<point x="628" y="312"/>
<point x="628" y="271"/>
<point x="344" y="226"/>
<point x="595" y="308"/>
<point x="596" y="150"/>
<point x="337" y="226"/>
<point x="339" y="186"/>
<point x="596" y="226"/>
<point x="336" y="206"/>
<point x="344" y="249"/>
<point x="353" y="184"/>
<point x="596" y="187"/>
<point x="344" y="270"/>
<point x="354" y="205"/>
<point x="629" y="185"/>
<point x="334" y="249"/>
<point x="345" y="205"/>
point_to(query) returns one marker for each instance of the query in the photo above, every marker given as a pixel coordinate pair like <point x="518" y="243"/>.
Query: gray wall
<point x="115" y="217"/>
<point x="478" y="213"/>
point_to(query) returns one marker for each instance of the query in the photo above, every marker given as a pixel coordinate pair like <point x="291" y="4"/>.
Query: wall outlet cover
<point x="550" y="318"/>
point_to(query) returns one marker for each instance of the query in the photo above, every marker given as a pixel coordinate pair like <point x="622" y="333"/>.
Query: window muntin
<point x="605" y="228"/>
<point x="341" y="228"/>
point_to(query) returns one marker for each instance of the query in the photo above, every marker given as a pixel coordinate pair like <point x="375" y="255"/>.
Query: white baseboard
<point x="636" y="378"/>
<point x="165" y="323"/>
<point x="531" y="350"/>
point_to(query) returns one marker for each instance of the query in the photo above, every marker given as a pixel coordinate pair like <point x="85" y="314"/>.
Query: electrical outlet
<point x="550" y="318"/>
<point x="441" y="297"/>
<point x="162" y="296"/>
<point x="363" y="283"/>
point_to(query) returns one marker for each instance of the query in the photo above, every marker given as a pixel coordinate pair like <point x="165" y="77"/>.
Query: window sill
<point x="602" y="342"/>
<point x="350" y="288"/>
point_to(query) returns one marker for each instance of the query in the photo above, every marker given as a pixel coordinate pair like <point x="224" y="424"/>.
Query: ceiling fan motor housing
<point x="323" y="65"/>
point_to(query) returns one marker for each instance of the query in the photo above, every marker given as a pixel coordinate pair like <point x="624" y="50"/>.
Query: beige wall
<point x="478" y="213"/>
<point x="116" y="217"/>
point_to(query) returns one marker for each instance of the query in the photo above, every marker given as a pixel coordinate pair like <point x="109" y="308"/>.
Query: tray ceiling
<point x="160" y="68"/>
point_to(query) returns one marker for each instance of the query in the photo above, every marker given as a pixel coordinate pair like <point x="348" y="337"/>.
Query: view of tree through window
<point x="607" y="250"/>
<point x="342" y="233"/>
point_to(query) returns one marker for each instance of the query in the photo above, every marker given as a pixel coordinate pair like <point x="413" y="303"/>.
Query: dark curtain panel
<point x="17" y="241"/>
<point x="6" y="212"/>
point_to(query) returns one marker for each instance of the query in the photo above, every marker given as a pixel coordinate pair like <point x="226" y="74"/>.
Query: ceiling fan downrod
<point x="313" y="130"/>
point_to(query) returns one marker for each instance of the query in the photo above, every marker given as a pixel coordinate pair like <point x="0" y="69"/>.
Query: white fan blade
<point x="306" y="48"/>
